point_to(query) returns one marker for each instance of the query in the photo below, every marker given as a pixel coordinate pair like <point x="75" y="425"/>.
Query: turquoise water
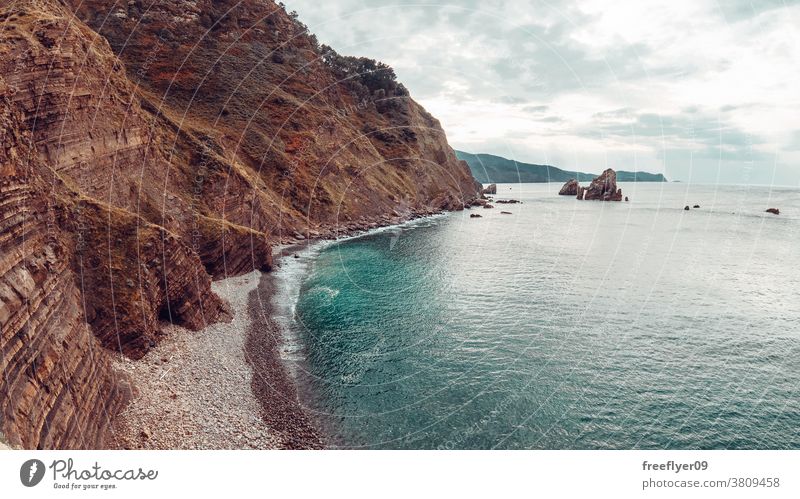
<point x="565" y="325"/>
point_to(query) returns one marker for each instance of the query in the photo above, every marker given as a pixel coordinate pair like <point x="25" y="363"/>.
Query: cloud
<point x="509" y="99"/>
<point x="535" y="109"/>
<point x="641" y="81"/>
<point x="737" y="10"/>
<point x="794" y="141"/>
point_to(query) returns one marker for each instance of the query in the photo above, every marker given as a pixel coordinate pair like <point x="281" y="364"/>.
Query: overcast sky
<point x="700" y="90"/>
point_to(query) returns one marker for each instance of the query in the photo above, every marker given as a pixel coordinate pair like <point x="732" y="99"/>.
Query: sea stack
<point x="604" y="188"/>
<point x="570" y="188"/>
<point x="490" y="189"/>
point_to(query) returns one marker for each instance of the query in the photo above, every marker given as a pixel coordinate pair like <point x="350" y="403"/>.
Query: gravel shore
<point x="224" y="387"/>
<point x="271" y="384"/>
<point x="193" y="391"/>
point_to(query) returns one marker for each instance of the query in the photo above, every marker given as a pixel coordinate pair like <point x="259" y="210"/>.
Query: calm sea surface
<point x="564" y="325"/>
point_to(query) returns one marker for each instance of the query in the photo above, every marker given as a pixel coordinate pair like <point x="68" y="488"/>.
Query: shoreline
<point x="226" y="386"/>
<point x="272" y="385"/>
<point x="192" y="391"/>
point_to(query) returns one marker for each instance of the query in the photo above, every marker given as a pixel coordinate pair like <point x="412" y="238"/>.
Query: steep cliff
<point x="151" y="146"/>
<point x="57" y="387"/>
<point x="97" y="147"/>
<point x="299" y="135"/>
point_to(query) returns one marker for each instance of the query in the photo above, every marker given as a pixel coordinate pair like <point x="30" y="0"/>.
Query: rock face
<point x="604" y="188"/>
<point x="289" y="139"/>
<point x="570" y="188"/>
<point x="57" y="388"/>
<point x="490" y="189"/>
<point x="148" y="149"/>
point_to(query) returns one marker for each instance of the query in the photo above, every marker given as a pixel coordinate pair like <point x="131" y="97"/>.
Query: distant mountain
<point x="487" y="169"/>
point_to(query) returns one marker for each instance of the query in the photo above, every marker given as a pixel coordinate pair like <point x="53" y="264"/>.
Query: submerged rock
<point x="774" y="211"/>
<point x="604" y="188"/>
<point x="506" y="213"/>
<point x="474" y="215"/>
<point x="570" y="188"/>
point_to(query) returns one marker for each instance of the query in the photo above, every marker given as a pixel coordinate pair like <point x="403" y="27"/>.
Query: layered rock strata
<point x="57" y="388"/>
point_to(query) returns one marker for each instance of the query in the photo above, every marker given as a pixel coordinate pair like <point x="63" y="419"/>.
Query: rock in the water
<point x="626" y="199"/>
<point x="490" y="189"/>
<point x="774" y="211"/>
<point x="604" y="188"/>
<point x="474" y="215"/>
<point x="508" y="201"/>
<point x="581" y="193"/>
<point x="686" y="207"/>
<point x="505" y="213"/>
<point x="696" y="206"/>
<point x="487" y="205"/>
<point x="570" y="188"/>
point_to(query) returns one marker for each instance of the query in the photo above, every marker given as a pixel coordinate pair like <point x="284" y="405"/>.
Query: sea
<point x="562" y="324"/>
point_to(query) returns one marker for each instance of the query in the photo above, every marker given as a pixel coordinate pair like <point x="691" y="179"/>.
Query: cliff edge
<point x="150" y="147"/>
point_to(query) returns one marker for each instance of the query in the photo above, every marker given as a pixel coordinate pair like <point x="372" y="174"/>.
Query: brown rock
<point x="604" y="188"/>
<point x="474" y="215"/>
<point x="774" y="211"/>
<point x="570" y="188"/>
<point x="58" y="389"/>
<point x="490" y="189"/>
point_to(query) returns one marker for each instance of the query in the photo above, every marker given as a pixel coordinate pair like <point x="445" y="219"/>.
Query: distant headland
<point x="487" y="168"/>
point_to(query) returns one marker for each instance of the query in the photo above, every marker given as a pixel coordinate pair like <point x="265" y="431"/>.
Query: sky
<point x="702" y="91"/>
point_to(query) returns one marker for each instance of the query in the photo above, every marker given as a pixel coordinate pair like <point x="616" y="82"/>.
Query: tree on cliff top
<point x="363" y="72"/>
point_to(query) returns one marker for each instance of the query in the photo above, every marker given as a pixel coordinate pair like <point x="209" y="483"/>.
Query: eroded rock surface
<point x="57" y="388"/>
<point x="604" y="188"/>
<point x="570" y="188"/>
